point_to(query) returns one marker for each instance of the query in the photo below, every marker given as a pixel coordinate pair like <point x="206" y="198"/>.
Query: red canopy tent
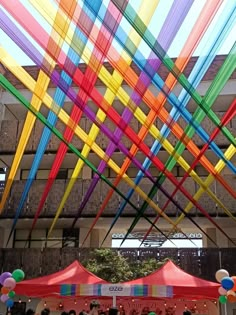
<point x="50" y="285"/>
<point x="184" y="284"/>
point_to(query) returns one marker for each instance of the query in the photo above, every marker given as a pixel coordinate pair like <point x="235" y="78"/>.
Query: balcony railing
<point x="91" y="208"/>
<point x="202" y="262"/>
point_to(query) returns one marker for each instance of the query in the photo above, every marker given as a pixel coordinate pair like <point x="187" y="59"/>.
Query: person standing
<point x="94" y="307"/>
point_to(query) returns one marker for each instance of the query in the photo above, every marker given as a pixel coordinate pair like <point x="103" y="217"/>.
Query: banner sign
<point x="116" y="290"/>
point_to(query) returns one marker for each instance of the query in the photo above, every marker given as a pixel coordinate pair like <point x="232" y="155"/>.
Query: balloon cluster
<point x="8" y="281"/>
<point x="227" y="290"/>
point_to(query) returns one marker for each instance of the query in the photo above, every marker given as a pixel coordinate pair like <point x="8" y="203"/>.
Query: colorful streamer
<point x="222" y="77"/>
<point x="170" y="27"/>
<point x="191" y="43"/>
<point x="75" y="115"/>
<point x="135" y="43"/>
<point x="5" y="84"/>
<point x="18" y="71"/>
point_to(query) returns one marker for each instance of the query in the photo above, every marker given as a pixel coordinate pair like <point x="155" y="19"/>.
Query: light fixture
<point x="75" y="302"/>
<point x="133" y="300"/>
<point x="29" y="300"/>
<point x="185" y="306"/>
<point x="165" y="303"/>
<point x="175" y="305"/>
<point x="19" y="300"/>
<point x="205" y="304"/>
<point x="45" y="304"/>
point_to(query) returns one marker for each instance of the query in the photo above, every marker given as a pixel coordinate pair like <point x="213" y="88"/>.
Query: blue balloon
<point x="9" y="303"/>
<point x="227" y="283"/>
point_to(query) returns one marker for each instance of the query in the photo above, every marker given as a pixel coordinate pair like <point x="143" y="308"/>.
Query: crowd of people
<point x="94" y="309"/>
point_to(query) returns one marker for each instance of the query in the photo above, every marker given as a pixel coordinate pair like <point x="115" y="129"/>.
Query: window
<point x="70" y="238"/>
<point x="2" y="178"/>
<point x="24" y="174"/>
<point x="42" y="174"/>
<point x="62" y="174"/>
<point x="58" y="238"/>
<point x="37" y="239"/>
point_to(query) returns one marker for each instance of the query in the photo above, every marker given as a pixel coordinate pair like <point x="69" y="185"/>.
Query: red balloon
<point x="4" y="290"/>
<point x="234" y="280"/>
<point x="231" y="298"/>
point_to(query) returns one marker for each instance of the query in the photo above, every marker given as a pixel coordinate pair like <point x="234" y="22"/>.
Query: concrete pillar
<point x="219" y="238"/>
<point x="108" y="241"/>
<point x="206" y="242"/>
<point x="95" y="238"/>
<point x="82" y="234"/>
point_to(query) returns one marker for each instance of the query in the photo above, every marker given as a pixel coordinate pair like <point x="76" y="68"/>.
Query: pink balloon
<point x="4" y="276"/>
<point x="4" y="298"/>
<point x="9" y="283"/>
<point x="222" y="291"/>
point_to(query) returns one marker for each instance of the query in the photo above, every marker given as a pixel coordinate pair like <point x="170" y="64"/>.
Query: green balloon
<point x="11" y="294"/>
<point x="18" y="275"/>
<point x="222" y="299"/>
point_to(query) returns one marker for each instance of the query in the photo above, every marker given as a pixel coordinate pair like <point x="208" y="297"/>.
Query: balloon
<point x="222" y="291"/>
<point x="234" y="280"/>
<point x="227" y="283"/>
<point x="11" y="294"/>
<point x="4" y="276"/>
<point x="9" y="303"/>
<point x="231" y="292"/>
<point x="4" y="290"/>
<point x="231" y="298"/>
<point x="4" y="298"/>
<point x="220" y="274"/>
<point x="222" y="299"/>
<point x="9" y="283"/>
<point x="18" y="275"/>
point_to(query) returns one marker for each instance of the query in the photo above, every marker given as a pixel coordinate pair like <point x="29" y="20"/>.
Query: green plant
<point x="111" y="266"/>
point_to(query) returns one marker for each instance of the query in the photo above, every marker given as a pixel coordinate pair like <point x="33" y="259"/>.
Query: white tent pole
<point x="114" y="300"/>
<point x="225" y="308"/>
